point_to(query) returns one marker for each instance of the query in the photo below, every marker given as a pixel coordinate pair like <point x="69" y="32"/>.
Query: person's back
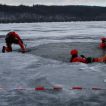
<point x="13" y="38"/>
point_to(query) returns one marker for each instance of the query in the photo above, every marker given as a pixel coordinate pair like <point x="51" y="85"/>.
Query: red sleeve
<point x="21" y="45"/>
<point x="102" y="45"/>
<point x="79" y="59"/>
<point x="17" y="36"/>
<point x="20" y="41"/>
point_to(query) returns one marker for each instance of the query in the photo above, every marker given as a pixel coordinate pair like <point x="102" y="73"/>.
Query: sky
<point x="55" y="2"/>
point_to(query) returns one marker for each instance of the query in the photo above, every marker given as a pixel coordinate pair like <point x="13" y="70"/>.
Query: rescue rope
<point x="54" y="88"/>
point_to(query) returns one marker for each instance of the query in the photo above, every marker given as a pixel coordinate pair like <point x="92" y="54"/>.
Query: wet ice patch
<point x="105" y="80"/>
<point x="26" y="70"/>
<point x="16" y="60"/>
<point x="95" y="67"/>
<point x="69" y="75"/>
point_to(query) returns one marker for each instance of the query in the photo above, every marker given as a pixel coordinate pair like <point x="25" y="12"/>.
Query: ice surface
<point x="46" y="63"/>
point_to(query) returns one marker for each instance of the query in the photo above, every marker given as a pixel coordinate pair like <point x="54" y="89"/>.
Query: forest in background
<point x="42" y="13"/>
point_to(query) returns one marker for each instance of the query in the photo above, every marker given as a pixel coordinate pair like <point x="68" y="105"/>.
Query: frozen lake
<point x="47" y="64"/>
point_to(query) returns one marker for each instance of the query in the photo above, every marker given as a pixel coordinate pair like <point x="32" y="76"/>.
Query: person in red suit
<point x="103" y="43"/>
<point x="13" y="38"/>
<point x="76" y="58"/>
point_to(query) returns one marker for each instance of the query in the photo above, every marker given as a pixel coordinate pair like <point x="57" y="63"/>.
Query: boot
<point x="3" y="49"/>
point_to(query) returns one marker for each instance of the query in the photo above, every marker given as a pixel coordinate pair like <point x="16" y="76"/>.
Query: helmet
<point x="74" y="52"/>
<point x="103" y="38"/>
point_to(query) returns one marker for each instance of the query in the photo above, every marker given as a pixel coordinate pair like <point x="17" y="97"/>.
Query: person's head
<point x="103" y="39"/>
<point x="74" y="52"/>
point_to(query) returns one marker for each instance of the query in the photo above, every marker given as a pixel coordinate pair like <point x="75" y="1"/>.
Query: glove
<point x="82" y="56"/>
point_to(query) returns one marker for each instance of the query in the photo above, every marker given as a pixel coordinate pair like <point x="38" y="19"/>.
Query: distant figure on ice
<point x="13" y="38"/>
<point x="83" y="59"/>
<point x="103" y="43"/>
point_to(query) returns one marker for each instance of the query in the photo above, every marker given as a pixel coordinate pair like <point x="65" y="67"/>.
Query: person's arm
<point x="21" y="44"/>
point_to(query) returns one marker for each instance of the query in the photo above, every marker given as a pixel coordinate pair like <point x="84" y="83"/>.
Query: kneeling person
<point x="13" y="38"/>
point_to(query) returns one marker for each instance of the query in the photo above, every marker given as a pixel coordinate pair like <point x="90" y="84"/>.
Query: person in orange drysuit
<point x="13" y="38"/>
<point x="103" y="43"/>
<point x="76" y="58"/>
<point x="83" y="59"/>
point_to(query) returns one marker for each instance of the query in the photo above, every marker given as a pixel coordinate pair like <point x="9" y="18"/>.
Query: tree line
<point x="42" y="13"/>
